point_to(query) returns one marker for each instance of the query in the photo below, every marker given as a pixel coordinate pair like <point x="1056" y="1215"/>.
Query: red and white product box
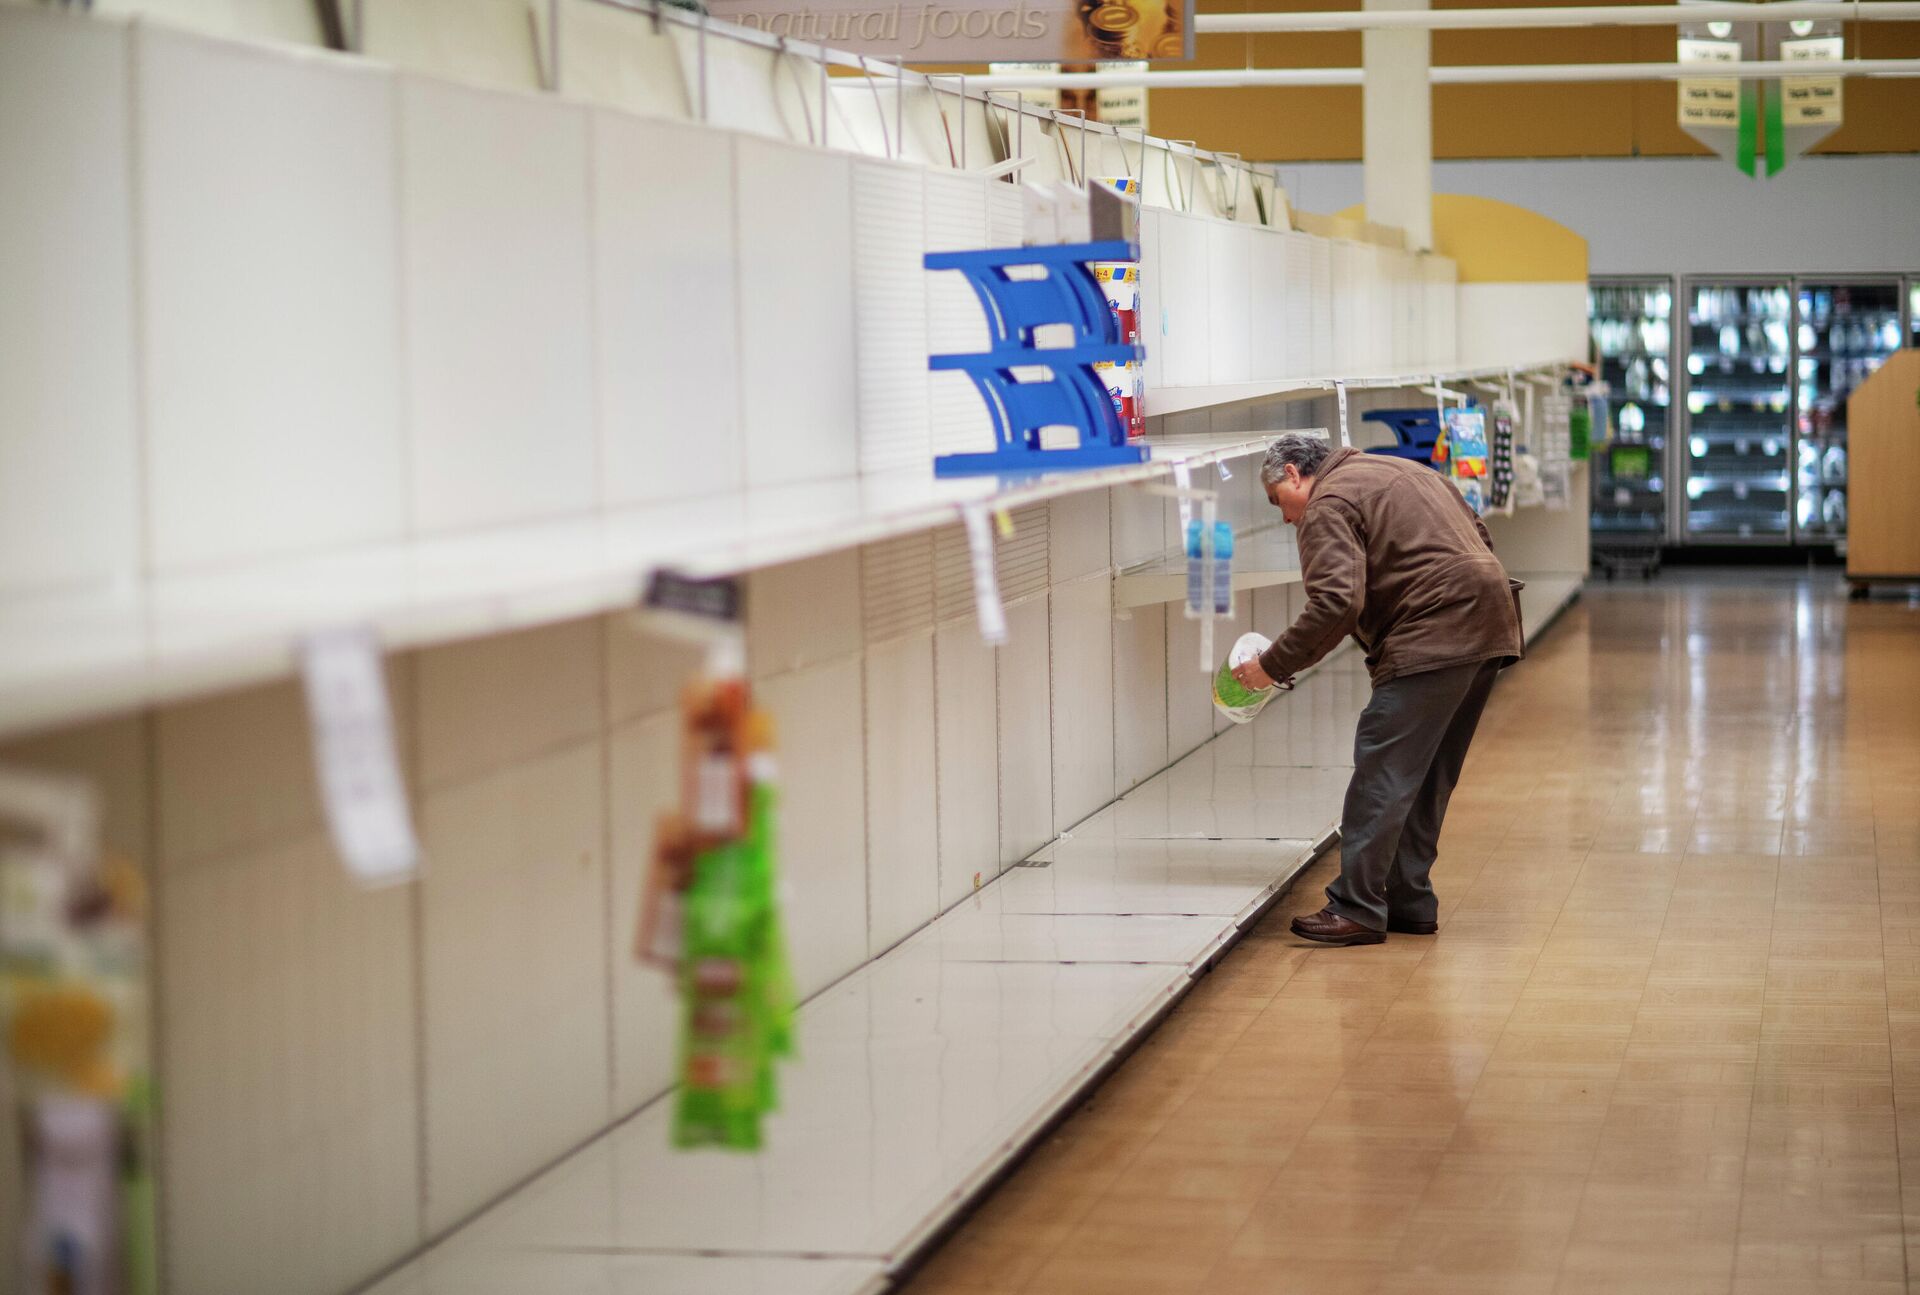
<point x="1120" y="283"/>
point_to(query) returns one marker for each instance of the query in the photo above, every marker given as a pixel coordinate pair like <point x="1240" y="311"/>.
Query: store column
<point x="1397" y="105"/>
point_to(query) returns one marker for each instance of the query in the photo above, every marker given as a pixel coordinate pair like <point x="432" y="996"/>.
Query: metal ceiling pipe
<point x="1653" y="15"/>
<point x="1494" y="74"/>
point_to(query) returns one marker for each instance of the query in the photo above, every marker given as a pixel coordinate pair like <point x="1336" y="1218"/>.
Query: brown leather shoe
<point x="1400" y="927"/>
<point x="1328" y="927"/>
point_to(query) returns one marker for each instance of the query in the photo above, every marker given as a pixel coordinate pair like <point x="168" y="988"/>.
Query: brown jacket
<point x="1392" y="555"/>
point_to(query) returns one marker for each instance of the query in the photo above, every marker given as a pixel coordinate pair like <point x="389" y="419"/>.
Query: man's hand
<point x="1253" y="675"/>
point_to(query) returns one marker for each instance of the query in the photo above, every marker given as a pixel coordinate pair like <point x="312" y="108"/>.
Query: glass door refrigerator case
<point x="1846" y="330"/>
<point x="1738" y="412"/>
<point x="1631" y="323"/>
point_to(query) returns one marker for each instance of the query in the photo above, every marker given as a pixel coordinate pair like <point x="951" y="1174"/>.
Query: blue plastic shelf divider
<point x="1415" y="432"/>
<point x="1026" y="387"/>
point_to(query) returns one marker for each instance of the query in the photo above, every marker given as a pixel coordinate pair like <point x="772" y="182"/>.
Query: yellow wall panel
<point x="1491" y="241"/>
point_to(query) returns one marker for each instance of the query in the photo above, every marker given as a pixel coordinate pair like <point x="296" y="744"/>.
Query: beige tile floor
<point x="1668" y="1039"/>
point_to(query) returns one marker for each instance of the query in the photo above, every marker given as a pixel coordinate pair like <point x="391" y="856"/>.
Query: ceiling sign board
<point x="1721" y="112"/>
<point x="1753" y="124"/>
<point x="937" y="31"/>
<point x="1802" y="111"/>
<point x="1710" y="101"/>
<point x="1814" y="100"/>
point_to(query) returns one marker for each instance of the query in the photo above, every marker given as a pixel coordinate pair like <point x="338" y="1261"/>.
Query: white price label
<point x="1183" y="478"/>
<point x="354" y="752"/>
<point x="989" y="610"/>
<point x="1816" y="49"/>
<point x="1709" y="51"/>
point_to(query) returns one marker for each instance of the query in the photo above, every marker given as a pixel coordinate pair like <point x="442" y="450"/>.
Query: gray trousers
<point x="1407" y="753"/>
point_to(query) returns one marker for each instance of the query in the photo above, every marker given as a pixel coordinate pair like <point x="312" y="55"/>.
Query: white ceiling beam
<point x="1235" y="78"/>
<point x="1652" y="15"/>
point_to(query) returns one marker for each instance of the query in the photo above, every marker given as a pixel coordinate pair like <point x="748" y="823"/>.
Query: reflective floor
<point x="1668" y="1039"/>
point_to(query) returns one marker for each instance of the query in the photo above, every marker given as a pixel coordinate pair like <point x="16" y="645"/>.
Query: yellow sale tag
<point x="1003" y="522"/>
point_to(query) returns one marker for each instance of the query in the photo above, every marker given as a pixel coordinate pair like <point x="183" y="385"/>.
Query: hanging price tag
<point x="988" y="609"/>
<point x="1209" y="545"/>
<point x="1183" y="478"/>
<point x="1340" y="395"/>
<point x="353" y="749"/>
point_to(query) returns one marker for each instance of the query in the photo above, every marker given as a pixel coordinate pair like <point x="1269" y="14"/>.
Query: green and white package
<point x="736" y="985"/>
<point x="1238" y="703"/>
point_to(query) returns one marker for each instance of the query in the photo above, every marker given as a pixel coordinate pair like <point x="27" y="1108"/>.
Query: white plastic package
<point x="1240" y="704"/>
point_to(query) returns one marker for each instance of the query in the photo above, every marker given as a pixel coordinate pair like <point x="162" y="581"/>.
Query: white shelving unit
<point x="983" y="1028"/>
<point x="463" y="361"/>
<point x="1180" y="400"/>
<point x="74" y="656"/>
<point x="920" y="1077"/>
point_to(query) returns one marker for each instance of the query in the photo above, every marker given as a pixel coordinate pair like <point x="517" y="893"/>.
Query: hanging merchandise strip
<point x="1206" y="621"/>
<point x="1340" y="395"/>
<point x="353" y="748"/>
<point x="1500" y="466"/>
<point x="986" y="583"/>
<point x="1183" y="481"/>
<point x="1467" y="455"/>
<point x="1556" y="465"/>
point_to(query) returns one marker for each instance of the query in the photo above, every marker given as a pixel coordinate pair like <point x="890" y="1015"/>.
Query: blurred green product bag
<point x="1240" y="704"/>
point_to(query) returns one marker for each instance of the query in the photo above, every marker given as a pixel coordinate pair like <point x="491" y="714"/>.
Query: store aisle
<point x="1668" y="1039"/>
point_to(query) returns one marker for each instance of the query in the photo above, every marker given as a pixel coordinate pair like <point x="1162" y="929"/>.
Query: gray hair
<point x="1306" y="453"/>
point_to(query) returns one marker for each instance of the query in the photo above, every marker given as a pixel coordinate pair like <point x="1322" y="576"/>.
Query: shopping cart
<point x="1627" y="532"/>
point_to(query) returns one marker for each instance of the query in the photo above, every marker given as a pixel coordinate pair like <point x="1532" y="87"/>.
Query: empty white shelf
<point x="921" y="1075"/>
<point x="74" y="656"/>
<point x="1260" y="559"/>
<point x="1184" y="399"/>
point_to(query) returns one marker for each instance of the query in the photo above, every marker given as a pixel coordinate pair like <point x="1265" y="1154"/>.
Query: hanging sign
<point x="1125" y="105"/>
<point x="943" y="31"/>
<point x="1721" y="112"/>
<point x="988" y="609"/>
<point x="1814" y="100"/>
<point x="1711" y="102"/>
<point x="355" y="753"/>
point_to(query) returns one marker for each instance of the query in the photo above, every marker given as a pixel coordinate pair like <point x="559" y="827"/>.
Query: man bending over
<point x="1391" y="554"/>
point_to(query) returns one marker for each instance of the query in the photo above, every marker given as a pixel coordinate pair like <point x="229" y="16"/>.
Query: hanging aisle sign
<point x="1813" y="100"/>
<point x="940" y="31"/>
<point x="1802" y="111"/>
<point x="1721" y="112"/>
<point x="1124" y="105"/>
<point x="1710" y="102"/>
<point x="1749" y="123"/>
